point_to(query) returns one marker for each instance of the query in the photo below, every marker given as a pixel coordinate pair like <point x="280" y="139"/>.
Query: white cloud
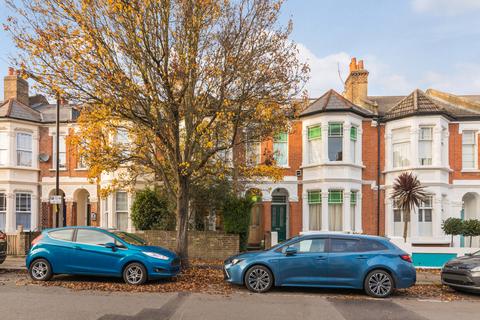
<point x="463" y="79"/>
<point x="324" y="70"/>
<point x="445" y="7"/>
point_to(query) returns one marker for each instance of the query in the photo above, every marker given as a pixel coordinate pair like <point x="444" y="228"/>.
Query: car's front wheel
<point x="258" y="279"/>
<point x="40" y="270"/>
<point x="135" y="274"/>
<point x="379" y="284"/>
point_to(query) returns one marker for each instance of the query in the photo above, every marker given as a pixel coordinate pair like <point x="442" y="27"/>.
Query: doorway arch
<point x="470" y="210"/>
<point x="81" y="198"/>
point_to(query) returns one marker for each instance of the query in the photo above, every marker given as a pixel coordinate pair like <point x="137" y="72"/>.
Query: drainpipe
<point x="378" y="175"/>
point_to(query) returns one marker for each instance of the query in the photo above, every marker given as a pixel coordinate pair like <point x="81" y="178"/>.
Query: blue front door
<point x="92" y="257"/>
<point x="346" y="265"/>
<point x="308" y="266"/>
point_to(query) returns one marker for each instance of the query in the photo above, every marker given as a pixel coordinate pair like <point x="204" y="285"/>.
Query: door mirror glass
<point x="290" y="251"/>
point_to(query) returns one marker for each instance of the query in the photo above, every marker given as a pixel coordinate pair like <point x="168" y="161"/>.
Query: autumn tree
<point x="183" y="79"/>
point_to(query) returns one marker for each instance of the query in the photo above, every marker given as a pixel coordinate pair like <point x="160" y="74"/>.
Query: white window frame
<point x="405" y="162"/>
<point x="329" y="135"/>
<point x="475" y="149"/>
<point x="62" y="154"/>
<point x="4" y="146"/>
<point x="425" y="228"/>
<point x="425" y="140"/>
<point x="286" y="155"/>
<point x="311" y="142"/>
<point x="314" y="204"/>
<point x="117" y="211"/>
<point x="24" y="150"/>
<point x="354" y="144"/>
<point x="28" y="211"/>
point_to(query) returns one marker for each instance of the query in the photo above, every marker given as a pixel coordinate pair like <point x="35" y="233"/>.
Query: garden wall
<point x="201" y="244"/>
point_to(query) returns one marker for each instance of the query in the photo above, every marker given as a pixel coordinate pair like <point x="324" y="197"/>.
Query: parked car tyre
<point x="135" y="274"/>
<point x="379" y="284"/>
<point x="258" y="279"/>
<point x="40" y="270"/>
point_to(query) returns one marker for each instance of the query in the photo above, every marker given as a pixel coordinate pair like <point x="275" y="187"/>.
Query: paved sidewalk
<point x="13" y="263"/>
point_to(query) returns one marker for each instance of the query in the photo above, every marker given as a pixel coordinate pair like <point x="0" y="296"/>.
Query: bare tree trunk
<point x="406" y="218"/>
<point x="451" y="242"/>
<point x="182" y="220"/>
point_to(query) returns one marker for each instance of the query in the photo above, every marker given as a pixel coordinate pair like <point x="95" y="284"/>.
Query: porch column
<point x="71" y="212"/>
<point x="94" y="209"/>
<point x="325" y="219"/>
<point x="347" y="225"/>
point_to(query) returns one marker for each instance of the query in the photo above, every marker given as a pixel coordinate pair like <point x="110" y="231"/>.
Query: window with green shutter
<point x="281" y="137"/>
<point x="353" y="198"/>
<point x="335" y="129"/>
<point x="314" y="132"/>
<point x="335" y="196"/>
<point x="314" y="197"/>
<point x="353" y="133"/>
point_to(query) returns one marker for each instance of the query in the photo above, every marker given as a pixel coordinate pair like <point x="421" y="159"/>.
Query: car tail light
<point x="3" y="236"/>
<point x="406" y="257"/>
<point x="37" y="240"/>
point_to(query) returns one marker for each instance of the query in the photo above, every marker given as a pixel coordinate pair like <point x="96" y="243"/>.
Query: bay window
<point x="401" y="147"/>
<point x="23" y="210"/>
<point x="280" y="149"/>
<point x="3" y="148"/>
<point x="314" y="144"/>
<point x="425" y="217"/>
<point x="469" y="142"/>
<point x="353" y="144"/>
<point x="335" y="210"/>
<point x="121" y="209"/>
<point x="24" y="149"/>
<point x="335" y="141"/>
<point x="315" y="210"/>
<point x="3" y="211"/>
<point x="425" y="139"/>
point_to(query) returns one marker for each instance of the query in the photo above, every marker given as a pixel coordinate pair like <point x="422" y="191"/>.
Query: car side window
<point x="93" y="237"/>
<point x="309" y="245"/>
<point x="371" y="245"/>
<point x="64" y="234"/>
<point x="343" y="245"/>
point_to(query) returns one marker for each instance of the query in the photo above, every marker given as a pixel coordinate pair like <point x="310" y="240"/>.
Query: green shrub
<point x="453" y="227"/>
<point x="236" y="217"/>
<point x="471" y="228"/>
<point x="152" y="210"/>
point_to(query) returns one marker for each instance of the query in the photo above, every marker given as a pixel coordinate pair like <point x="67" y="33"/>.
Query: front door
<point x="279" y="221"/>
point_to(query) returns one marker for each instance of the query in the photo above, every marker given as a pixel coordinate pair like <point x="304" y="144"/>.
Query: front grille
<point x="457" y="279"/>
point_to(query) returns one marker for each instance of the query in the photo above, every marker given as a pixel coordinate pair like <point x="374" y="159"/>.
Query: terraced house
<point x="345" y="150"/>
<point x="340" y="158"/>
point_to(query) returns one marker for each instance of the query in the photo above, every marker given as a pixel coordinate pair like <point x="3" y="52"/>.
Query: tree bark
<point x="406" y="219"/>
<point x="182" y="220"/>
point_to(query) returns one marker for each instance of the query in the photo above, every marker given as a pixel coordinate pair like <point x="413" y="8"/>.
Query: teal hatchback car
<point x="98" y="252"/>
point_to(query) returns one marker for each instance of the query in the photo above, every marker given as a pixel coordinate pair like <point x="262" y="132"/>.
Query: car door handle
<point x="78" y="248"/>
<point x="362" y="257"/>
<point x="321" y="258"/>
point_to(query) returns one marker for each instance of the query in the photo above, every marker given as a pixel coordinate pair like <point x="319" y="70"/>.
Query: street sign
<point x="56" y="199"/>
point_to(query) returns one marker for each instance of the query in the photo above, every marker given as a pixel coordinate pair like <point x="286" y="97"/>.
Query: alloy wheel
<point x="380" y="284"/>
<point x="134" y="274"/>
<point x="39" y="270"/>
<point x="259" y="279"/>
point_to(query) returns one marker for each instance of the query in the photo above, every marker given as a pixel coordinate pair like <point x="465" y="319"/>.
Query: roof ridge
<point x="329" y="93"/>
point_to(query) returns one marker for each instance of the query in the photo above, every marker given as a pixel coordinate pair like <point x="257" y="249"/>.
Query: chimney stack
<point x="15" y="87"/>
<point x="356" y="85"/>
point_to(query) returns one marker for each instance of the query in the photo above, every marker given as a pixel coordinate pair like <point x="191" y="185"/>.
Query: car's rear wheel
<point x="258" y="279"/>
<point x="379" y="284"/>
<point x="135" y="274"/>
<point x="40" y="270"/>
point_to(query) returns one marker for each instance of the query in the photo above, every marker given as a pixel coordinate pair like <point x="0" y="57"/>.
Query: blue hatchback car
<point x="330" y="260"/>
<point x="100" y="252"/>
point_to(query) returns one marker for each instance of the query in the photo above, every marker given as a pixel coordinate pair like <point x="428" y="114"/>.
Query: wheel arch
<point x="382" y="268"/>
<point x="125" y="264"/>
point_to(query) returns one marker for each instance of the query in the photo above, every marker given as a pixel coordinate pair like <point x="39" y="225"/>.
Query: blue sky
<point x="406" y="44"/>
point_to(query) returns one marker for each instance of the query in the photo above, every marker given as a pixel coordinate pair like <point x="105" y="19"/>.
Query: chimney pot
<point x="360" y="65"/>
<point x="11" y="71"/>
<point x="353" y="64"/>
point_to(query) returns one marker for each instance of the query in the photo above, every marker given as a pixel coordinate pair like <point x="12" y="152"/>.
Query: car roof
<point x="77" y="227"/>
<point x="344" y="235"/>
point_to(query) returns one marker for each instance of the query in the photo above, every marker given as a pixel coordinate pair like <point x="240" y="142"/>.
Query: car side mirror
<point x="111" y="245"/>
<point x="290" y="251"/>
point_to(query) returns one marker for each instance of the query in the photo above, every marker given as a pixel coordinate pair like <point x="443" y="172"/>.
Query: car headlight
<point x="155" y="255"/>
<point x="476" y="269"/>
<point x="235" y="261"/>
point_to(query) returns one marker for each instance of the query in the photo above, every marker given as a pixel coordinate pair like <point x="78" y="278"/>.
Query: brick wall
<point x="201" y="244"/>
<point x="455" y="156"/>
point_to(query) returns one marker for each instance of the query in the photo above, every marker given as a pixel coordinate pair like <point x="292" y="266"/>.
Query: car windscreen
<point x="130" y="238"/>
<point x="281" y="243"/>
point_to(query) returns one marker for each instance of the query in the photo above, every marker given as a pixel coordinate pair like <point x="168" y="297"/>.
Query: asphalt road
<point x="37" y="302"/>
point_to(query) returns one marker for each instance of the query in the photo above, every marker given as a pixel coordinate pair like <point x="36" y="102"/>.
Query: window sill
<point x="470" y="170"/>
<point x="390" y="170"/>
<point x="333" y="164"/>
<point x="19" y="168"/>
<point x="61" y="169"/>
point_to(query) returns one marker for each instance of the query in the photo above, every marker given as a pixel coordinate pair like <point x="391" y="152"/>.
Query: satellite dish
<point x="43" y="157"/>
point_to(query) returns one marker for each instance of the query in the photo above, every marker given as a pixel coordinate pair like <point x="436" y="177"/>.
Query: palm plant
<point x="408" y="193"/>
